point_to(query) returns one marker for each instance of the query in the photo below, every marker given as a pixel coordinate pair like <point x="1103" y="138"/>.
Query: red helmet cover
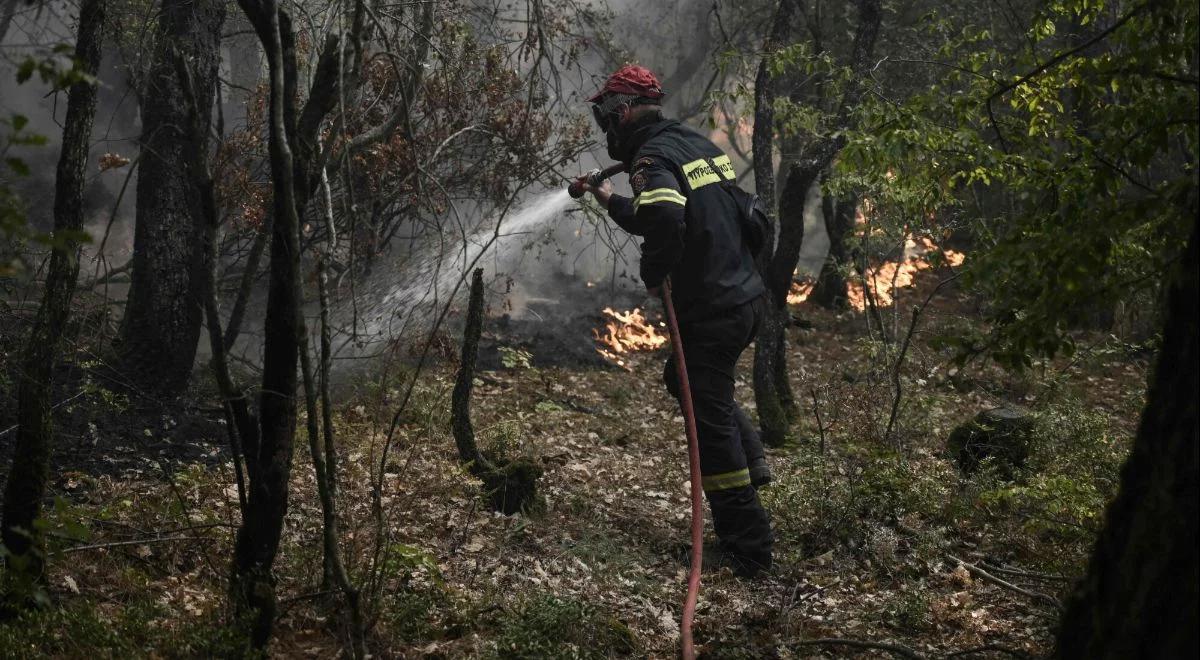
<point x="630" y="79"/>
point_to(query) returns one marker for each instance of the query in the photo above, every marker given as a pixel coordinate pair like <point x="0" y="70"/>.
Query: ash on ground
<point x="557" y="331"/>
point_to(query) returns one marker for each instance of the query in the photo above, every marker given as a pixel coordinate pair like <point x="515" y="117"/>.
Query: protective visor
<point x="605" y="112"/>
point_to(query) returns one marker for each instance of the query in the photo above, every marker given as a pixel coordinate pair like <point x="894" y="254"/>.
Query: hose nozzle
<point x="593" y="179"/>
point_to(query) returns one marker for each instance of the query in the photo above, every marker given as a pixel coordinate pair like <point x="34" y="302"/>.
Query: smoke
<point x="544" y="261"/>
<point x="34" y="32"/>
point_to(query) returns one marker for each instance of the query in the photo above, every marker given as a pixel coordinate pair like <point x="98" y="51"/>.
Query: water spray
<point x="594" y="179"/>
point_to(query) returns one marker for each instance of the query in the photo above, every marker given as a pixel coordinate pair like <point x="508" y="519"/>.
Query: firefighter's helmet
<point x="632" y="80"/>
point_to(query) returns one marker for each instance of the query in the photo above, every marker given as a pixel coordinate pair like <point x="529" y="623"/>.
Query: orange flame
<point x="884" y="279"/>
<point x="627" y="332"/>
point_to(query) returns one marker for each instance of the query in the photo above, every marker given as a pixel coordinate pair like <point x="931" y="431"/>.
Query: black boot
<point x="743" y="529"/>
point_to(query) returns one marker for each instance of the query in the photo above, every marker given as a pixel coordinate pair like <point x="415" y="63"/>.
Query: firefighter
<point x="691" y="232"/>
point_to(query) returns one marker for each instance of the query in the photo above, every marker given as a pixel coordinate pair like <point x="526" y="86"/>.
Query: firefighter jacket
<point x="688" y="220"/>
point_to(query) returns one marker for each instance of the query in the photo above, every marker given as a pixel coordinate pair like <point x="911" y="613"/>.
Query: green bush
<point x="80" y="629"/>
<point x="820" y="502"/>
<point x="1072" y="473"/>
<point x="550" y="627"/>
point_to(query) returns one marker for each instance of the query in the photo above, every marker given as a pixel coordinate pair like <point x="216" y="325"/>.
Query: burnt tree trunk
<point x="510" y="484"/>
<point x="1139" y="597"/>
<point x="164" y="311"/>
<point x="831" y="289"/>
<point x="27" y="478"/>
<point x="771" y="413"/>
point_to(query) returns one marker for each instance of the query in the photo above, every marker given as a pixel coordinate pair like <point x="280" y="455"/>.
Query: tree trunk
<point x="164" y="311"/>
<point x="831" y="290"/>
<point x="778" y="398"/>
<point x="771" y="413"/>
<point x="252" y="582"/>
<point x="294" y="149"/>
<point x="772" y="391"/>
<point x="26" y="485"/>
<point x="1139" y="597"/>
<point x="510" y="484"/>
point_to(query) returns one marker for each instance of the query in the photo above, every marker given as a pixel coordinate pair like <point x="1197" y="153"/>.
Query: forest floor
<point x="870" y="530"/>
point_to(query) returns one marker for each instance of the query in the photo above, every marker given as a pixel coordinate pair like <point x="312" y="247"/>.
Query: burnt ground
<point x="105" y="427"/>
<point x="869" y="528"/>
<point x="558" y="331"/>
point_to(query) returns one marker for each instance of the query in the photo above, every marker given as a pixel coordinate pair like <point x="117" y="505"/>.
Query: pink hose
<point x="689" y="416"/>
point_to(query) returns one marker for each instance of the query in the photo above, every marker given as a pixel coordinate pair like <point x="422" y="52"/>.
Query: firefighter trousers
<point x="728" y="441"/>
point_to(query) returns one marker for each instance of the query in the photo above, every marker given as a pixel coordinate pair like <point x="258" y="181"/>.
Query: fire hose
<point x="576" y="189"/>
<point x="689" y="417"/>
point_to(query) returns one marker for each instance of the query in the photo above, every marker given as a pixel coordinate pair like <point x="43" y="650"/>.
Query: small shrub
<point x="1060" y="496"/>
<point x="550" y="627"/>
<point x="826" y="501"/>
<point x="80" y="629"/>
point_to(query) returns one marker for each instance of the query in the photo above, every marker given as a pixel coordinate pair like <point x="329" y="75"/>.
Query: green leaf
<point x="18" y="166"/>
<point x="25" y="71"/>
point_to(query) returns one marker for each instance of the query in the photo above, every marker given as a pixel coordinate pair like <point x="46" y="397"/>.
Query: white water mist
<point x="431" y="276"/>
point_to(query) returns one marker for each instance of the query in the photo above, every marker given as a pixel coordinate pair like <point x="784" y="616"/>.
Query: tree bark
<point x="252" y="582"/>
<point x="1139" y="597"/>
<point x="294" y="152"/>
<point x="510" y="484"/>
<point x="778" y="397"/>
<point x="772" y="390"/>
<point x="831" y="290"/>
<point x="460" y="403"/>
<point x="164" y="311"/>
<point x="771" y="413"/>
<point x="27" y="478"/>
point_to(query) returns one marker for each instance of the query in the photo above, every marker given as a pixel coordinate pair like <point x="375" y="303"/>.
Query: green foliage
<point x="1072" y="474"/>
<point x="407" y="560"/>
<point x="551" y="627"/>
<point x="820" y="502"/>
<point x="416" y="605"/>
<point x="908" y="610"/>
<point x="82" y="629"/>
<point x="1076" y="172"/>
<point x="57" y="68"/>
<point x="515" y="358"/>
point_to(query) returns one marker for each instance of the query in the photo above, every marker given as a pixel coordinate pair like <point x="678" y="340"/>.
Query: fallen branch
<point x="894" y="649"/>
<point x="118" y="544"/>
<point x="979" y="572"/>
<point x="994" y="648"/>
<point x="1027" y="574"/>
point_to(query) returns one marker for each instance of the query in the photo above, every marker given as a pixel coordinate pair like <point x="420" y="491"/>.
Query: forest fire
<point x="627" y="332"/>
<point x="884" y="279"/>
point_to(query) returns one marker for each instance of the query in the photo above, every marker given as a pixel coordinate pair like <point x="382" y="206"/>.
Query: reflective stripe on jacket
<point x="688" y="220"/>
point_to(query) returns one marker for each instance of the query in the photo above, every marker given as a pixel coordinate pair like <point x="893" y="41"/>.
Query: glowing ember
<point x="883" y="279"/>
<point x="627" y="332"/>
<point x="799" y="292"/>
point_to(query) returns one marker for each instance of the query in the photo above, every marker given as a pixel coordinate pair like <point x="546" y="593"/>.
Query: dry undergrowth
<point x="868" y="530"/>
